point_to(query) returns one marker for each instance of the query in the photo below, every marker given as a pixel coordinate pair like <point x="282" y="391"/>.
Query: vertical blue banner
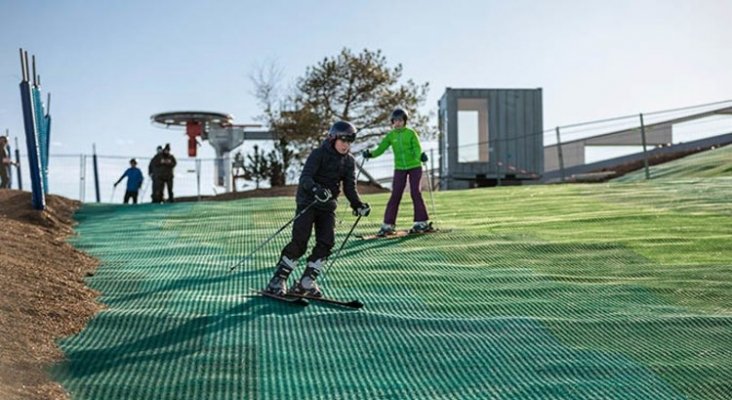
<point x="38" y="198"/>
<point x="34" y="165"/>
<point x="40" y="121"/>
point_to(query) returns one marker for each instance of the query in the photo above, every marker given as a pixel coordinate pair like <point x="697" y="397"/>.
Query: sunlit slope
<point x="707" y="164"/>
<point x="616" y="291"/>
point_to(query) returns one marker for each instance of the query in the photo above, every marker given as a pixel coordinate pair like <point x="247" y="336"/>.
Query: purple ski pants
<point x="398" y="184"/>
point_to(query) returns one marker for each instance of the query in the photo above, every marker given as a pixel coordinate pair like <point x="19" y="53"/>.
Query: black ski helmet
<point x="342" y="130"/>
<point x="399" y="113"/>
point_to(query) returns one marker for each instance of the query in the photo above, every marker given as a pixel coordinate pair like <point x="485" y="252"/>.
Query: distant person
<point x="134" y="182"/>
<point x="151" y="169"/>
<point x="5" y="163"/>
<point x="164" y="175"/>
<point x="408" y="159"/>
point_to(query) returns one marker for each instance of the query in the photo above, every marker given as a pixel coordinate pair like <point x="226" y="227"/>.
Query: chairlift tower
<point x="216" y="128"/>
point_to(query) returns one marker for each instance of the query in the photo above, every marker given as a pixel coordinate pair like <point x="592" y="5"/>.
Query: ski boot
<point x="278" y="284"/>
<point x="421" y="227"/>
<point x="306" y="286"/>
<point x="386" y="230"/>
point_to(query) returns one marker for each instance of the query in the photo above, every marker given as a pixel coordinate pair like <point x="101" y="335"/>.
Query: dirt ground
<point x="45" y="297"/>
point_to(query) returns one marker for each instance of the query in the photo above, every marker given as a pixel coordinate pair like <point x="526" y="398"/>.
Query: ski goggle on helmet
<point x="343" y="130"/>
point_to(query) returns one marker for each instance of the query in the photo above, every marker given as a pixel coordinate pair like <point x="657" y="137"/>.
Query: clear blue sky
<point x="110" y="65"/>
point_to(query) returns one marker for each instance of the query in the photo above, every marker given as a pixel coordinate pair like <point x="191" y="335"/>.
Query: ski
<point x="402" y="233"/>
<point x="300" y="301"/>
<point x="355" y="304"/>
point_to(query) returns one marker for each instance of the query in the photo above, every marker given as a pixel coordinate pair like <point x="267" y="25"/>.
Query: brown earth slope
<point x="44" y="297"/>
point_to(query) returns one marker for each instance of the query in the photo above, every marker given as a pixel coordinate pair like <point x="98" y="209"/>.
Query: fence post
<point x="645" y="152"/>
<point x="560" y="155"/>
<point x="96" y="171"/>
<point x="82" y="177"/>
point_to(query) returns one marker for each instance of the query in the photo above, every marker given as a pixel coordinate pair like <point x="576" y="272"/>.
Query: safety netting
<point x="612" y="291"/>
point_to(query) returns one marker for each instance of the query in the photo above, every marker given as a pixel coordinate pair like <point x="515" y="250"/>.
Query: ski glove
<point x="366" y="154"/>
<point x="423" y="158"/>
<point x="321" y="194"/>
<point x="363" y="210"/>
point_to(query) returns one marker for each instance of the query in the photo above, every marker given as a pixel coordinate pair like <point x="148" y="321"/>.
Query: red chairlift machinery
<point x="218" y="129"/>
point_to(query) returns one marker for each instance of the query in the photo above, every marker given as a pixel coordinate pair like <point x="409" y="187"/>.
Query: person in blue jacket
<point x="134" y="181"/>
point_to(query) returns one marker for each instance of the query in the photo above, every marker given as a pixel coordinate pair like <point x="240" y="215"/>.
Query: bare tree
<point x="267" y="80"/>
<point x="360" y="88"/>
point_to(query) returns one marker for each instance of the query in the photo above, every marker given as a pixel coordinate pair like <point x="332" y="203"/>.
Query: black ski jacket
<point x="328" y="168"/>
<point x="164" y="166"/>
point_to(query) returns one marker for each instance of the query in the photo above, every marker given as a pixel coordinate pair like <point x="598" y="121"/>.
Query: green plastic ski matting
<point x="548" y="292"/>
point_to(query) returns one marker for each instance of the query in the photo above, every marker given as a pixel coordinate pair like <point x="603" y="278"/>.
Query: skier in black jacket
<point x="325" y="169"/>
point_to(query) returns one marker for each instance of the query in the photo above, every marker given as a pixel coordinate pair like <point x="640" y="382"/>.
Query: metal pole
<point x="35" y="76"/>
<point x="432" y="168"/>
<point x="498" y="161"/>
<point x="48" y="128"/>
<point x="17" y="164"/>
<point x="432" y="199"/>
<point x="227" y="172"/>
<point x="82" y="177"/>
<point x="96" y="171"/>
<point x="144" y="189"/>
<point x="559" y="153"/>
<point x="38" y="199"/>
<point x="22" y="66"/>
<point x="645" y="152"/>
<point x="360" y="167"/>
<point x="198" y="177"/>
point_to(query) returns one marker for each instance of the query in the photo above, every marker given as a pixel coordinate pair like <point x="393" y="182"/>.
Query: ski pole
<point x="144" y="189"/>
<point x="359" y="170"/>
<point x="335" y="257"/>
<point x="114" y="188"/>
<point x="357" y="176"/>
<point x="432" y="199"/>
<point x="273" y="235"/>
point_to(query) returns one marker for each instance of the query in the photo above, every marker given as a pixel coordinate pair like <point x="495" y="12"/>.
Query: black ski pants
<point x="324" y="222"/>
<point x="129" y="195"/>
<point x="4" y="177"/>
<point x="159" y="184"/>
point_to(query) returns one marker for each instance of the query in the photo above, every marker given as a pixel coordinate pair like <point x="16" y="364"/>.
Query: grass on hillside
<point x="565" y="289"/>
<point x="707" y="164"/>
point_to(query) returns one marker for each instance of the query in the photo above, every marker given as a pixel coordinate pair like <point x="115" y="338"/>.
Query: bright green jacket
<point x="405" y="145"/>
